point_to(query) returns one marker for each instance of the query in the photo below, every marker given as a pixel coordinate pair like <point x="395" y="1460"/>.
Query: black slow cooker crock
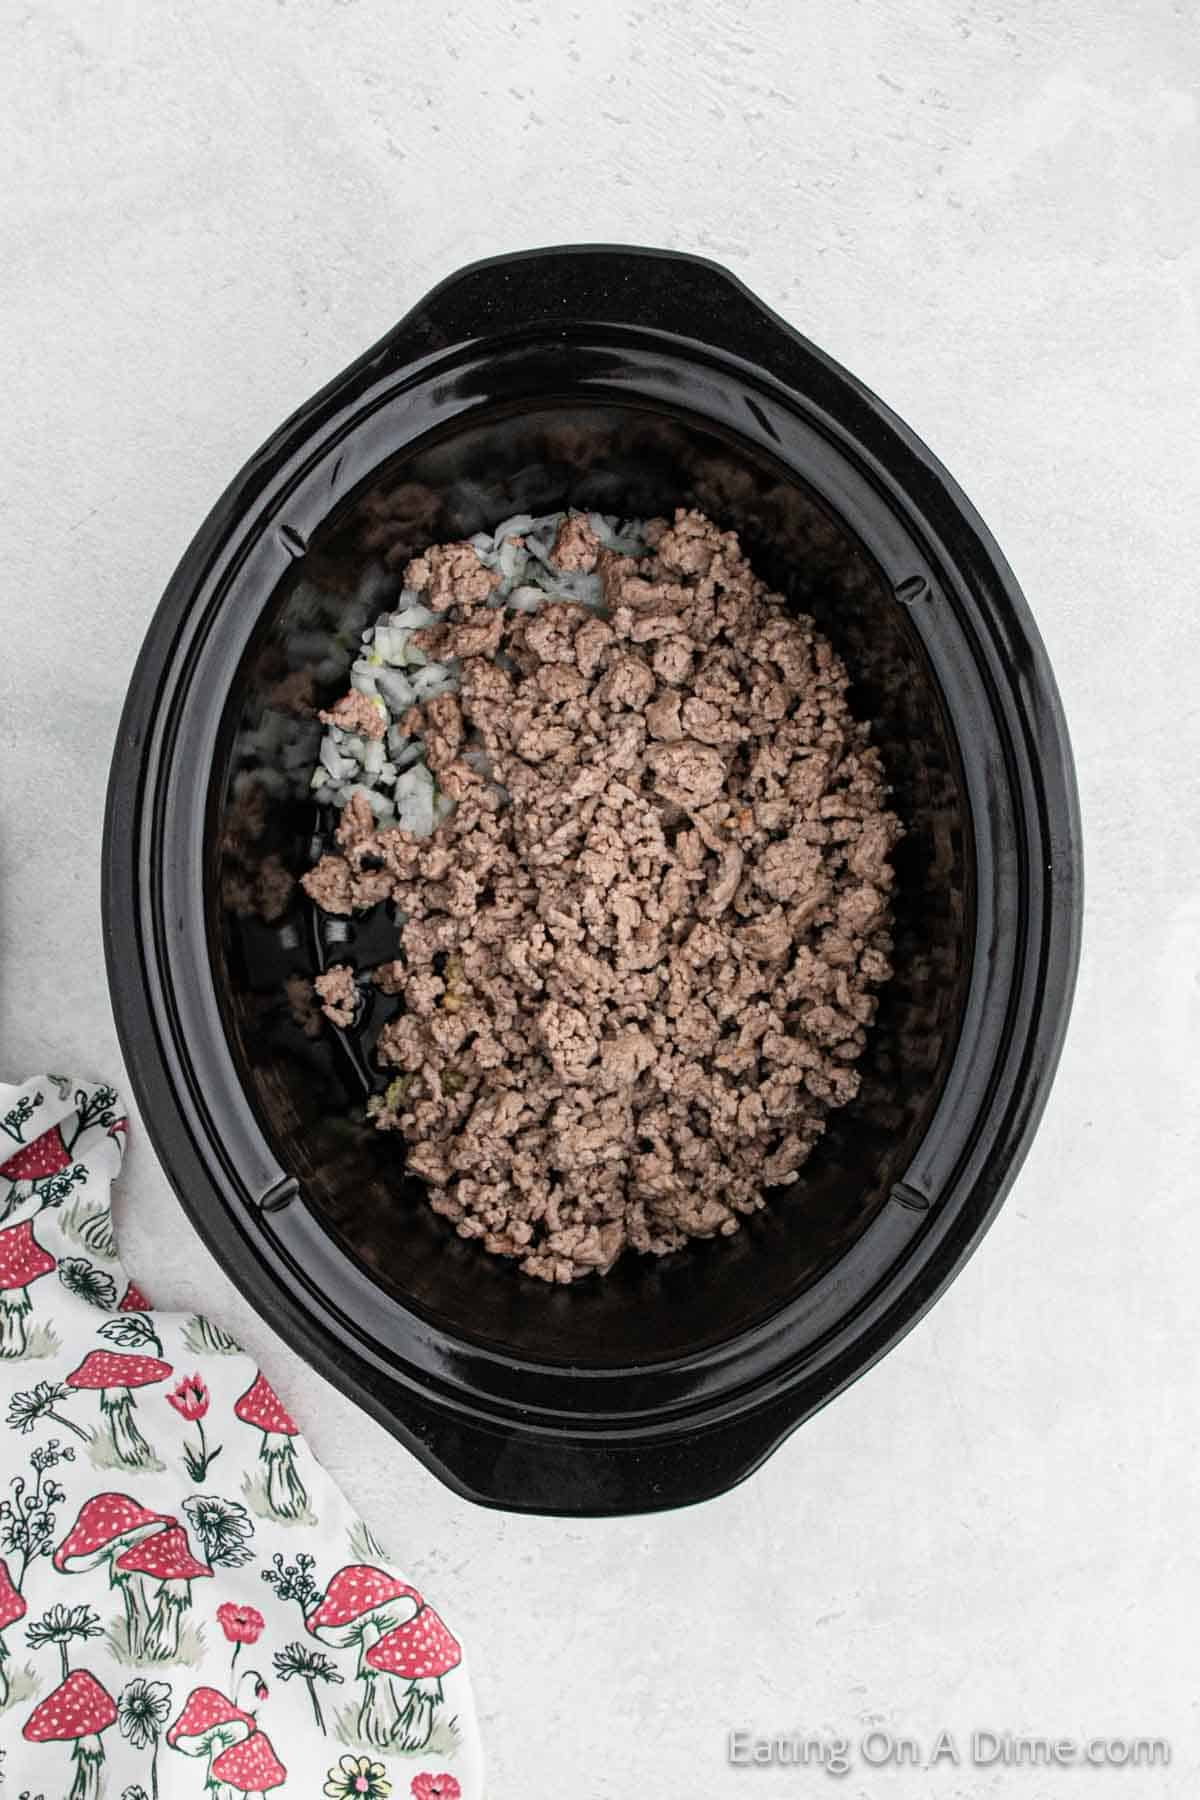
<point x="627" y="381"/>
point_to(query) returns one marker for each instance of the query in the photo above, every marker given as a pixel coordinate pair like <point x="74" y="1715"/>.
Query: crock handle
<point x="584" y="1477"/>
<point x="615" y="284"/>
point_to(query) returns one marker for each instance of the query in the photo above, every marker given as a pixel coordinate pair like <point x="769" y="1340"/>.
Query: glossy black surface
<point x="630" y="381"/>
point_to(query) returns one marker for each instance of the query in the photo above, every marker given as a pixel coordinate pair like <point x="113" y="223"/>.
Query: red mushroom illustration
<point x="167" y="1559"/>
<point x="12" y="1608"/>
<point x="260" y="1405"/>
<point x="76" y="1712"/>
<point x="46" y="1156"/>
<point x="420" y="1652"/>
<point x="115" y="1374"/>
<point x="250" y="1767"/>
<point x="208" y="1724"/>
<point x="362" y="1604"/>
<point x="22" y="1262"/>
<point x="107" y="1526"/>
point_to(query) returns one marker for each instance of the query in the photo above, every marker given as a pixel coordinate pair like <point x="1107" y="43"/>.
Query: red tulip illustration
<point x="12" y="1608"/>
<point x="167" y="1559"/>
<point x="75" y="1713"/>
<point x="362" y="1605"/>
<point x="190" y="1400"/>
<point x="107" y="1526"/>
<point x="115" y="1376"/>
<point x="420" y="1652"/>
<point x="260" y="1405"/>
<point x="241" y="1625"/>
<point x="22" y="1262"/>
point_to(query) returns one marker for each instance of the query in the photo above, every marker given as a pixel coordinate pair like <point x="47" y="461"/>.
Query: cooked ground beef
<point x="639" y="957"/>
<point x="338" y="994"/>
<point x="354" y="712"/>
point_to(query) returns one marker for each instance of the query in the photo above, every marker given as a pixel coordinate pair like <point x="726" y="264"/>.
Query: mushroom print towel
<point x="189" y="1609"/>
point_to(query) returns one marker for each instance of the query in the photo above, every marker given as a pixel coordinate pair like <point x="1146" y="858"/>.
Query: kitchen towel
<point x="188" y="1606"/>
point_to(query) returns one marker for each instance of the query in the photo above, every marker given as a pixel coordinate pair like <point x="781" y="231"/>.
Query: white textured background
<point x="986" y="209"/>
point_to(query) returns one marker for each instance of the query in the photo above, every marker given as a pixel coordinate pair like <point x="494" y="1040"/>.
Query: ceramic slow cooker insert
<point x="626" y="381"/>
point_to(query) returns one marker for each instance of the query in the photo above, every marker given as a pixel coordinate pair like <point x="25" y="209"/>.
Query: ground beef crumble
<point x="338" y="994"/>
<point x="637" y="974"/>
<point x="354" y="712"/>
